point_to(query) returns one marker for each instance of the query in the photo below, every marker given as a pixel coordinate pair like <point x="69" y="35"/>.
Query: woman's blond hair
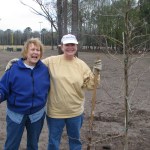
<point x="36" y="42"/>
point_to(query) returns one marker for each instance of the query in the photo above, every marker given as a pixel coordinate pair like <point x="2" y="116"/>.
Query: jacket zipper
<point x="32" y="89"/>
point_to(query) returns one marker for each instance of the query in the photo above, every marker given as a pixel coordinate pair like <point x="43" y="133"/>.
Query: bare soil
<point x="109" y="118"/>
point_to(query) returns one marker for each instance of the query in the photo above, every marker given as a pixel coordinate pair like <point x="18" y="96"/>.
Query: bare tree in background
<point x="65" y="16"/>
<point x="59" y="19"/>
<point x="74" y="23"/>
<point x="74" y="26"/>
<point x="62" y="13"/>
<point x="60" y="22"/>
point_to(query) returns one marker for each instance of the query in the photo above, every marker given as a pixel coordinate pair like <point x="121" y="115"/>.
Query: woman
<point x="25" y="86"/>
<point x="70" y="76"/>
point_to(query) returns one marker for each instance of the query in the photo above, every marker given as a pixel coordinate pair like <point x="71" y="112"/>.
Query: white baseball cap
<point x="69" y="38"/>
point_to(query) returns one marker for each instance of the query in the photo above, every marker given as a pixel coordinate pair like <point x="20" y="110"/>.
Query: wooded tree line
<point x="18" y="37"/>
<point x="98" y="24"/>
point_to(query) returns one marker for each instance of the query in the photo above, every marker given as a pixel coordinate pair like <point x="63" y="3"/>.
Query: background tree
<point x="59" y="22"/>
<point x="65" y="17"/>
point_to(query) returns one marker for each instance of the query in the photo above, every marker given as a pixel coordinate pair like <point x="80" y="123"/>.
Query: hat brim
<point x="70" y="41"/>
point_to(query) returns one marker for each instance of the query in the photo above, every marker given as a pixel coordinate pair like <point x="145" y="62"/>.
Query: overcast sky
<point x="16" y="16"/>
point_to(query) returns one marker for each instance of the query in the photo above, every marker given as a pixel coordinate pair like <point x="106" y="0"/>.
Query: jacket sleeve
<point x="4" y="86"/>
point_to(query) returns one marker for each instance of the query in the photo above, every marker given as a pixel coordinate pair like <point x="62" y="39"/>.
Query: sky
<point x="16" y="16"/>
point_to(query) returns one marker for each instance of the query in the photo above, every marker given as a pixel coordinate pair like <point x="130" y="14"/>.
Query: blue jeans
<point x="15" y="132"/>
<point x="73" y="126"/>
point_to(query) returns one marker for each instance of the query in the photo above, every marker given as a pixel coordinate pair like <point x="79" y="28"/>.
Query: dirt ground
<point x="108" y="126"/>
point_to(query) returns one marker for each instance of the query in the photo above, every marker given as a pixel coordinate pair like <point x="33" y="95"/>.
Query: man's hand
<point x="97" y="66"/>
<point x="10" y="63"/>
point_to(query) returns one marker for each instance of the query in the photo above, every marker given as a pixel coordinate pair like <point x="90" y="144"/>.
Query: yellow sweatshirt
<point x="69" y="78"/>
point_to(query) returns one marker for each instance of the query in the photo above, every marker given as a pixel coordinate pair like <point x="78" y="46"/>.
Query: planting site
<point x="108" y="126"/>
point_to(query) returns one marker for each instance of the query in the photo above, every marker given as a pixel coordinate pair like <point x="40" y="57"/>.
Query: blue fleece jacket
<point x="24" y="89"/>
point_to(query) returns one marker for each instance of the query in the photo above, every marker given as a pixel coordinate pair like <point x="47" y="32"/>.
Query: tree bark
<point x="74" y="24"/>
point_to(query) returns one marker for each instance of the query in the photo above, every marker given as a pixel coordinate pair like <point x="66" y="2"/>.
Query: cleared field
<point x="108" y="126"/>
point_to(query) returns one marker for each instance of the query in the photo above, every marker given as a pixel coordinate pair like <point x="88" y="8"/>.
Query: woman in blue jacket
<point x="25" y="86"/>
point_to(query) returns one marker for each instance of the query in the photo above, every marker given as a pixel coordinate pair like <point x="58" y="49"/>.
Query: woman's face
<point x="33" y="55"/>
<point x="69" y="49"/>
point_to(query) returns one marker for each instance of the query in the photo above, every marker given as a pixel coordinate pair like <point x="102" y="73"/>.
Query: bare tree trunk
<point x="65" y="14"/>
<point x="59" y="16"/>
<point x="126" y="95"/>
<point x="52" y="37"/>
<point x="74" y="25"/>
<point x="126" y="48"/>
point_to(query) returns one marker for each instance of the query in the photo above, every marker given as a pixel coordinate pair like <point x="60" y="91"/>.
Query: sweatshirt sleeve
<point x="4" y="86"/>
<point x="88" y="78"/>
<point x="46" y="61"/>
